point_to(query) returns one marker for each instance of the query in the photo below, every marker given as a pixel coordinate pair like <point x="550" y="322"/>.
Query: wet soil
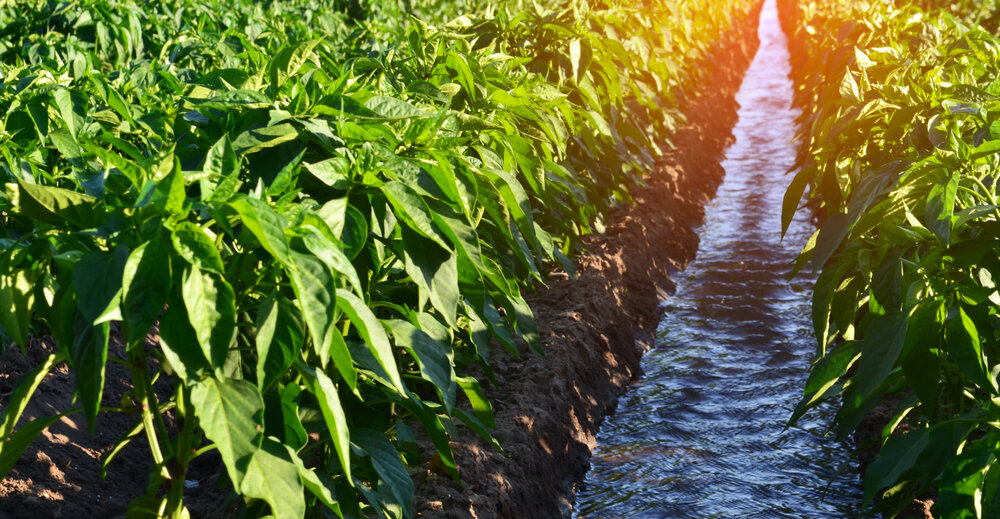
<point x="594" y="330"/>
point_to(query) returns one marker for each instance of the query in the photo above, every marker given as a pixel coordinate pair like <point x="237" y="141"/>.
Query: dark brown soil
<point x="594" y="330"/>
<point x="58" y="475"/>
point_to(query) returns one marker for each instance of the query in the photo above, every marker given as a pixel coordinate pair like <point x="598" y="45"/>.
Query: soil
<point x="594" y="331"/>
<point x="58" y="476"/>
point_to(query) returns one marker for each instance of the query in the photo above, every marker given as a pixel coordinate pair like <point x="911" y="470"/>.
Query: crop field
<point x="314" y="219"/>
<point x="303" y="228"/>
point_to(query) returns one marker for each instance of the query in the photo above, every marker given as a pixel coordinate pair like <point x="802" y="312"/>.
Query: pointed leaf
<point x="229" y="411"/>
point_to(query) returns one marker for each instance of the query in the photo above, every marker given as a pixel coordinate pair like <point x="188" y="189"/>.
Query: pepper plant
<point x="900" y="154"/>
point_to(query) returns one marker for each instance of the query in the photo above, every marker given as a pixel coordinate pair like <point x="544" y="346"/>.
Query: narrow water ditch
<point x="702" y="433"/>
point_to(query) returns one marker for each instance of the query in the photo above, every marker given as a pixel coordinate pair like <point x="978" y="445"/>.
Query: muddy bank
<point x="594" y="330"/>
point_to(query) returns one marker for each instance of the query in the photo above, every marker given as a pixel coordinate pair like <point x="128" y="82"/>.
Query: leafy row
<point x="323" y="214"/>
<point x="900" y="154"/>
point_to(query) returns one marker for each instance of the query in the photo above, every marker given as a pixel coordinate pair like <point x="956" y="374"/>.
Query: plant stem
<point x="147" y="402"/>
<point x="184" y="455"/>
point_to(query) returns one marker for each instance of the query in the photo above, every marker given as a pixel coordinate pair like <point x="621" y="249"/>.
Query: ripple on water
<point x="702" y="434"/>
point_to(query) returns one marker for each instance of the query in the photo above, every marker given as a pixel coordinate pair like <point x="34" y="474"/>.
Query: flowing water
<point x="702" y="433"/>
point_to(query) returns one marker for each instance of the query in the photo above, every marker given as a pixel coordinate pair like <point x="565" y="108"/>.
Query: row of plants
<point x="900" y="157"/>
<point x="323" y="213"/>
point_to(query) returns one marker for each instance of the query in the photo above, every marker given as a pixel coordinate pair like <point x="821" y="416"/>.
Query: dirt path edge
<point x="595" y="330"/>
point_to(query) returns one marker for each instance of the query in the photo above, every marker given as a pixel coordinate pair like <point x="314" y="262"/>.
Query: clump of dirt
<point x="594" y="330"/>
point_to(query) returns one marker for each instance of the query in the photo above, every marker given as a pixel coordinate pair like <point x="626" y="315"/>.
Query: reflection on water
<point x="702" y="433"/>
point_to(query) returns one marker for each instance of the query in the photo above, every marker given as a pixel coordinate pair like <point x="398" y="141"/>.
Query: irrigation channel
<point x="702" y="434"/>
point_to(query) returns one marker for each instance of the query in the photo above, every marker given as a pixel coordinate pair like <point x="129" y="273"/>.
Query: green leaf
<point x="463" y="237"/>
<point x="515" y="198"/>
<point x="960" y="493"/>
<point x="97" y="278"/>
<point x="823" y="376"/>
<point x="280" y="337"/>
<point x="832" y="231"/>
<point x="387" y="465"/>
<point x="849" y="88"/>
<point x="252" y="141"/>
<point x="161" y="163"/>
<point x="145" y="285"/>
<point x="72" y="109"/>
<point x="435" y="359"/>
<point x="499" y="326"/>
<point x="941" y="207"/>
<point x="272" y="476"/>
<point x="336" y="420"/>
<point x="194" y="245"/>
<point x="883" y="343"/>
<point x="170" y="192"/>
<point x="333" y="172"/>
<point x="529" y="163"/>
<point x="393" y="109"/>
<point x="332" y="255"/>
<point x="17" y="297"/>
<point x="234" y="99"/>
<point x="792" y="197"/>
<point x="289" y="59"/>
<point x="574" y="58"/>
<point x="321" y="487"/>
<point x="413" y="211"/>
<point x="435" y="429"/>
<point x="460" y="65"/>
<point x="88" y="355"/>
<point x="266" y="224"/>
<point x="435" y="271"/>
<point x="230" y="411"/>
<point x="347" y="224"/>
<point x="986" y="149"/>
<point x="58" y="206"/>
<point x="372" y="332"/>
<point x="221" y="160"/>
<point x="295" y="434"/>
<point x="525" y="320"/>
<point x="898" y="455"/>
<point x="920" y="364"/>
<point x="480" y="404"/>
<point x="180" y="345"/>
<point x="67" y="145"/>
<point x="961" y="338"/>
<point x="211" y="306"/>
<point x="315" y="296"/>
<point x="117" y="102"/>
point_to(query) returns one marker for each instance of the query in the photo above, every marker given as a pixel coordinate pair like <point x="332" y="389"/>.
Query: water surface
<point x="702" y="433"/>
